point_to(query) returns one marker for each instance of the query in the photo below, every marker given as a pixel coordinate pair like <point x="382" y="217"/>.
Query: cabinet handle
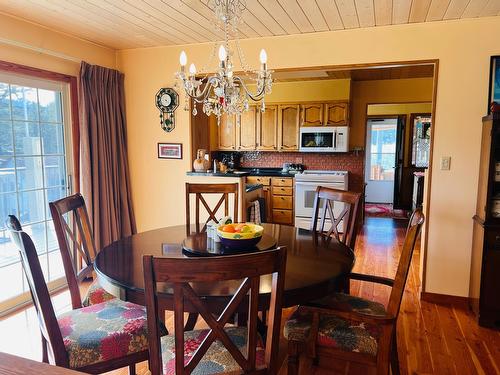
<point x="282" y="198"/>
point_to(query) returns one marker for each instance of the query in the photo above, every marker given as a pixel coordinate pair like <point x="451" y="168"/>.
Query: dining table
<point x="314" y="267"/>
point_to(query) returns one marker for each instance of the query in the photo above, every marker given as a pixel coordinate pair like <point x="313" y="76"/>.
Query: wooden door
<point x="267" y="130"/>
<point x="247" y="131"/>
<point x="312" y="114"/>
<point x="289" y="127"/>
<point x="269" y="203"/>
<point x="337" y="113"/>
<point x="227" y="132"/>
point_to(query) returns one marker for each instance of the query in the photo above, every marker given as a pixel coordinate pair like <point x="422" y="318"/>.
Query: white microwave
<point x="324" y="139"/>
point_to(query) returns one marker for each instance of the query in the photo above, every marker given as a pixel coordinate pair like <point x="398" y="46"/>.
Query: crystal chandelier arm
<point x="258" y="95"/>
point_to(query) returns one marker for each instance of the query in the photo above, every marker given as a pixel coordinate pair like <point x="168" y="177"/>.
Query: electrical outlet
<point x="445" y="163"/>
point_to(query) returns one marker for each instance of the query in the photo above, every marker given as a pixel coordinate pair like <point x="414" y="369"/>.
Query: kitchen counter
<point x="219" y="174"/>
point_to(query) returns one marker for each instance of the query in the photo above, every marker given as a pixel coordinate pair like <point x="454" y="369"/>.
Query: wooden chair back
<point x="75" y="238"/>
<point x="198" y="190"/>
<point x="39" y="292"/>
<point x="348" y="215"/>
<point x="412" y="232"/>
<point x="181" y="272"/>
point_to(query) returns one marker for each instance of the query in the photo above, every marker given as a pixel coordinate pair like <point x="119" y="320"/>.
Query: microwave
<point x="324" y="139"/>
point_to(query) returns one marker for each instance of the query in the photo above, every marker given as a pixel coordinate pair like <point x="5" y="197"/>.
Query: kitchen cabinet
<point x="282" y="190"/>
<point x="288" y="127"/>
<point x="267" y="129"/>
<point x="227" y="133"/>
<point x="336" y="114"/>
<point x="247" y="131"/>
<point x="312" y="114"/>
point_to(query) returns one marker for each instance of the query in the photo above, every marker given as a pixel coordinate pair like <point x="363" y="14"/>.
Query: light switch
<point x="445" y="163"/>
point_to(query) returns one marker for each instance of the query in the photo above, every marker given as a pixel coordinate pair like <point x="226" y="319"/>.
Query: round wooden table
<point x="313" y="265"/>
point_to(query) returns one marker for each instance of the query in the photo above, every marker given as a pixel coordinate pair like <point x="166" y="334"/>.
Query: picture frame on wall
<point x="169" y="150"/>
<point x="494" y="90"/>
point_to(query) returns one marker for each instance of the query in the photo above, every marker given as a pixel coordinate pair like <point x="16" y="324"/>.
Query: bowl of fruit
<point x="240" y="235"/>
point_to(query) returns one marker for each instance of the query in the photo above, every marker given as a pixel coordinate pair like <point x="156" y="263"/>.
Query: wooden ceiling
<point x="121" y="24"/>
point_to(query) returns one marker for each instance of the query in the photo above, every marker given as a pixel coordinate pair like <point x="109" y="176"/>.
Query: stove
<point x="305" y="190"/>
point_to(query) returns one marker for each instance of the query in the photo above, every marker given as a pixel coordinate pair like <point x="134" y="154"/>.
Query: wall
<point x="463" y="48"/>
<point x="300" y="91"/>
<point x="15" y="33"/>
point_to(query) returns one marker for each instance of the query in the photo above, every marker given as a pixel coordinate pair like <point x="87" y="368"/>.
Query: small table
<point x="313" y="265"/>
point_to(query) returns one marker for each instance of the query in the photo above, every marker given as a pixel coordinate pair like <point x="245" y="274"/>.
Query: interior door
<point x="380" y="160"/>
<point x="399" y="163"/>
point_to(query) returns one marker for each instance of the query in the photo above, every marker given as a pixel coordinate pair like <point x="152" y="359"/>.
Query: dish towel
<point x="255" y="212"/>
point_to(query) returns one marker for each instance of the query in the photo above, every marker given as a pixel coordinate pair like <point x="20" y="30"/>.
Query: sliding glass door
<point x="34" y="169"/>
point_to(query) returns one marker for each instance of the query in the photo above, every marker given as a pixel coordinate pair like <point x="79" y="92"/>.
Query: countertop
<point x="271" y="172"/>
<point x="218" y="174"/>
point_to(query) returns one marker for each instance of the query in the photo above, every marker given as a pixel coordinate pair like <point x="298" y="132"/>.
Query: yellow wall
<point x="300" y="91"/>
<point x="15" y="34"/>
<point x="463" y="48"/>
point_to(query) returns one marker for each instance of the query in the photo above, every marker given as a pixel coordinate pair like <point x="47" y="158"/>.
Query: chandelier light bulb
<point x="183" y="58"/>
<point x="263" y="56"/>
<point x="192" y="69"/>
<point x="222" y="53"/>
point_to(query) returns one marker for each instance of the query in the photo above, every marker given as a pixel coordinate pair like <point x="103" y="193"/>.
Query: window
<point x="34" y="170"/>
<point x="382" y="151"/>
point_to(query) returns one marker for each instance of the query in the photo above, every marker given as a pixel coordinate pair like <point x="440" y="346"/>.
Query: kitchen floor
<point x="432" y="338"/>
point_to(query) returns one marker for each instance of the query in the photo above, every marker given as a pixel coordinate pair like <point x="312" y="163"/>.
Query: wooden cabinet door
<point x="269" y="203"/>
<point x="227" y="132"/>
<point x="288" y="128"/>
<point x="312" y="114"/>
<point x="336" y="113"/>
<point x="267" y="130"/>
<point x="247" y="130"/>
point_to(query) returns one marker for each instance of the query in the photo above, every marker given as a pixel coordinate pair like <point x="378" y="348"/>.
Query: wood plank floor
<point x="432" y="338"/>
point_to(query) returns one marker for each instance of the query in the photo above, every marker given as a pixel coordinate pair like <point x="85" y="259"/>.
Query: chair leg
<point x="191" y="322"/>
<point x="394" y="353"/>
<point x="293" y="358"/>
<point x="45" y="354"/>
<point x="131" y="369"/>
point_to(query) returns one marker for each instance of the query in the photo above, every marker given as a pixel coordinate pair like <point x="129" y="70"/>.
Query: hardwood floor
<point x="432" y="338"/>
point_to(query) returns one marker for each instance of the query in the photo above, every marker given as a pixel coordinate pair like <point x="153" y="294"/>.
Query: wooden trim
<point x="75" y="114"/>
<point x="440" y="299"/>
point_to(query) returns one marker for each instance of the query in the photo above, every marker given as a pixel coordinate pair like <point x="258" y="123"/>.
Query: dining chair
<point x="199" y="190"/>
<point x="349" y="328"/>
<point x="325" y="200"/>
<point x="93" y="339"/>
<point x="219" y="349"/>
<point x="75" y="238"/>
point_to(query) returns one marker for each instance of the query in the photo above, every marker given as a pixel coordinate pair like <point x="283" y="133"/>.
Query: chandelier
<point x="224" y="91"/>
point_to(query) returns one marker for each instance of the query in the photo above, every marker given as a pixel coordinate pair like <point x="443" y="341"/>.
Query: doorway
<point x="380" y="166"/>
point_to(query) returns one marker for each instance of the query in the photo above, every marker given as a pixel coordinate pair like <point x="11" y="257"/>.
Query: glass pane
<point x="55" y="171"/>
<point x="50" y="105"/>
<point x="29" y="173"/>
<point x="8" y="206"/>
<point x="8" y="251"/>
<point x="6" y="140"/>
<point x="31" y="206"/>
<point x="52" y="138"/>
<point x="56" y="268"/>
<point x="24" y="103"/>
<point x="383" y="151"/>
<point x="7" y="175"/>
<point x="4" y="101"/>
<point x="14" y="274"/>
<point x="52" y="243"/>
<point x="37" y="234"/>
<point x="27" y="138"/>
<point x="317" y="140"/>
<point x="54" y="194"/>
<point x="45" y="266"/>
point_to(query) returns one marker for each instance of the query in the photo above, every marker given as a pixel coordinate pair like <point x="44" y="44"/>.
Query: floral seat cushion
<point x="217" y="359"/>
<point x="336" y="332"/>
<point x="104" y="331"/>
<point x="96" y="294"/>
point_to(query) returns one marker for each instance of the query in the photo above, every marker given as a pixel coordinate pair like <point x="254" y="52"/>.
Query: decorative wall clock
<point x="167" y="101"/>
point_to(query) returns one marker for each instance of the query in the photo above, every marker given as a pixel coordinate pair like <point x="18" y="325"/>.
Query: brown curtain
<point x="105" y="181"/>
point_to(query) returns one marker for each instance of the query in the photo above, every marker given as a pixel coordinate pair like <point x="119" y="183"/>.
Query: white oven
<point x="324" y="139"/>
<point x="305" y="190"/>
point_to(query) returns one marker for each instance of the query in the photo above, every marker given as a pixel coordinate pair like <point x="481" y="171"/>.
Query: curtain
<point x="104" y="172"/>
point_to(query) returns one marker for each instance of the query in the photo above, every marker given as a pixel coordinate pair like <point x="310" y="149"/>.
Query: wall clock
<point x="167" y="101"/>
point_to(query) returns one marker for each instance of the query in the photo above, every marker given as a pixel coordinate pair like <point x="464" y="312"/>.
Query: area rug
<point x="384" y="210"/>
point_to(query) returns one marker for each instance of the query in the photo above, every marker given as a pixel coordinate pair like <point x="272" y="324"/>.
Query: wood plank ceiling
<point x="122" y="24"/>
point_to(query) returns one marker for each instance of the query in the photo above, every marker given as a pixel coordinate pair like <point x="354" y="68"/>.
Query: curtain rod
<point x="39" y="50"/>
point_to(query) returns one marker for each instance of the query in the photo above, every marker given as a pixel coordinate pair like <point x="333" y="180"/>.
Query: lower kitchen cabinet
<point x="282" y="188"/>
<point x="283" y="217"/>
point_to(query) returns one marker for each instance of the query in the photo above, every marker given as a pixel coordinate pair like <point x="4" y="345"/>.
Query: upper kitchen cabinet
<point x="247" y="134"/>
<point x="267" y="129"/>
<point x="336" y="114"/>
<point x="227" y="133"/>
<point x="288" y="127"/>
<point x="312" y="114"/>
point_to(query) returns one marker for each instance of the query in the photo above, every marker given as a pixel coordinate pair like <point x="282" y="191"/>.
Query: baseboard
<point x="444" y="298"/>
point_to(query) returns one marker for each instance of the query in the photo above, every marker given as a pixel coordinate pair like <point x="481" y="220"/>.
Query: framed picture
<point x="170" y="150"/>
<point x="494" y="93"/>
